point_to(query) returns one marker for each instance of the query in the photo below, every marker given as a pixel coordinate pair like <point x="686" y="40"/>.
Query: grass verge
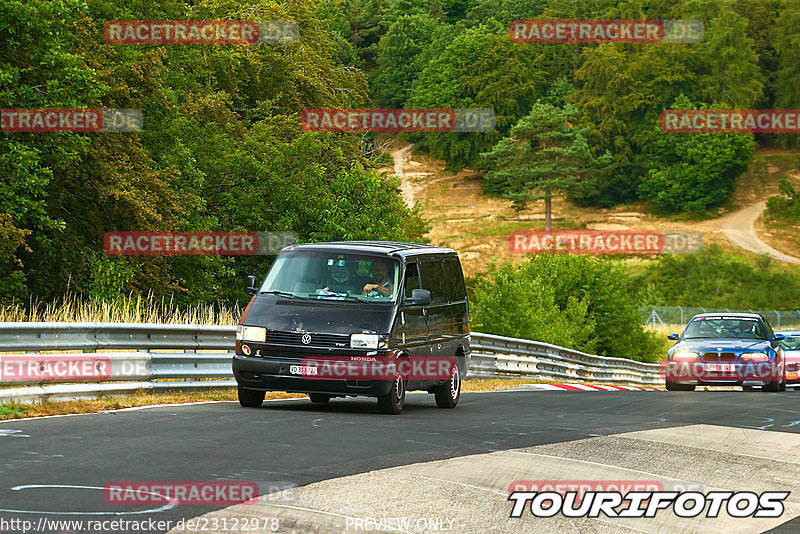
<point x="19" y="411"/>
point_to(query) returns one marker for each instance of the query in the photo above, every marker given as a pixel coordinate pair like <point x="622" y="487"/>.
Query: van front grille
<point x="279" y="337"/>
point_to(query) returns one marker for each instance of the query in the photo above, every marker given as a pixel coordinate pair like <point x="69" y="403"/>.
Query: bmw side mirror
<point x="419" y="297"/>
<point x="250" y="285"/>
<point x="674" y="337"/>
<point x="779" y="337"/>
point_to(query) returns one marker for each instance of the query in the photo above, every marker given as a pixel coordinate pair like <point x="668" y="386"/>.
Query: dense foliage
<point x="431" y="53"/>
<point x="785" y="207"/>
<point x="221" y="149"/>
<point x="716" y="279"/>
<point x="578" y="302"/>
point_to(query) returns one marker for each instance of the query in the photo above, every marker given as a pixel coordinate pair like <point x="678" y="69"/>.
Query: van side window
<point x="434" y="281"/>
<point x="455" y="280"/>
<point x="412" y="279"/>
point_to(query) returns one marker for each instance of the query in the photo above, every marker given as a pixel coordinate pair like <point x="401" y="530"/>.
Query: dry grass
<point x="494" y="384"/>
<point x="131" y="309"/>
<point x="778" y="234"/>
<point x="18" y="411"/>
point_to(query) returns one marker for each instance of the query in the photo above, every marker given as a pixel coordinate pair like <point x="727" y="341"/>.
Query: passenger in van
<point x="379" y="271"/>
<point x="340" y="276"/>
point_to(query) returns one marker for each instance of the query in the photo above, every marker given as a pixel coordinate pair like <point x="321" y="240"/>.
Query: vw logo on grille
<point x="306" y="339"/>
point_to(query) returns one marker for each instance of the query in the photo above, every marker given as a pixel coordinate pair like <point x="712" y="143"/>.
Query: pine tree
<point x="545" y="153"/>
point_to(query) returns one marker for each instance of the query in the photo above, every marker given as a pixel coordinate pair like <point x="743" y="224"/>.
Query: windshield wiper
<point x="284" y="294"/>
<point x="336" y="296"/>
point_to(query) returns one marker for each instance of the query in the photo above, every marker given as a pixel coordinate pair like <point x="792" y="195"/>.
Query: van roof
<point x="394" y="248"/>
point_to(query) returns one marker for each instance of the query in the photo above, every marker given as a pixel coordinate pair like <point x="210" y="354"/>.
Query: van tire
<point x="447" y="394"/>
<point x="319" y="398"/>
<point x="392" y="403"/>
<point x="251" y="399"/>
<point x="772" y="386"/>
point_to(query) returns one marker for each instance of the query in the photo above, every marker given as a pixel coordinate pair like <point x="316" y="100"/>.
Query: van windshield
<point x="333" y="276"/>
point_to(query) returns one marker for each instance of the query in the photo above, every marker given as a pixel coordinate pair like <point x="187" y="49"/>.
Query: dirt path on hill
<point x="463" y="218"/>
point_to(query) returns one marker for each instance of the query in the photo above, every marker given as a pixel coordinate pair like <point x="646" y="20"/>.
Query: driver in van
<point x="379" y="271"/>
<point x="340" y="278"/>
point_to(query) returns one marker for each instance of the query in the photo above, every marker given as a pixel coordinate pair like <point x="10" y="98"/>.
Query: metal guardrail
<point x="498" y="356"/>
<point x="131" y="357"/>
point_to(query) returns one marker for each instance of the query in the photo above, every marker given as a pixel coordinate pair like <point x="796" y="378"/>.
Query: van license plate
<point x="305" y="370"/>
<point x="720" y="367"/>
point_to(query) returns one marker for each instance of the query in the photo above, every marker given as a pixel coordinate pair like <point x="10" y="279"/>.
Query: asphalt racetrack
<point x="342" y="467"/>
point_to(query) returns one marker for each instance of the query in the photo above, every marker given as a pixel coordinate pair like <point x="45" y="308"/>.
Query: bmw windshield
<point x="725" y="328"/>
<point x="333" y="276"/>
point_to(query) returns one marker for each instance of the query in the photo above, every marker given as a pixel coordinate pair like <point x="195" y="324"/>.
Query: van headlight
<point x="251" y="333"/>
<point x="368" y="341"/>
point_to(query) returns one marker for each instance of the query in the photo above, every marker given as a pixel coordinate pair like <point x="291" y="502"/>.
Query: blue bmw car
<point x="729" y="349"/>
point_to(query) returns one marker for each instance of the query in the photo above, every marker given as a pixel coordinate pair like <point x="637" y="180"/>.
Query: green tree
<point x="545" y="152"/>
<point x="482" y="68"/>
<point x="579" y="302"/>
<point x="787" y="48"/>
<point x="731" y="74"/>
<point x="622" y="89"/>
<point x="400" y="58"/>
<point x="694" y="171"/>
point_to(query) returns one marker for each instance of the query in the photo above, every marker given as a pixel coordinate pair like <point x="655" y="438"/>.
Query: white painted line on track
<point x="599" y="464"/>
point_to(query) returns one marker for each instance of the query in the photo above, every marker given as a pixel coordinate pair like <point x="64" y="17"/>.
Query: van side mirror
<point x="419" y="297"/>
<point x="674" y="337"/>
<point x="250" y="286"/>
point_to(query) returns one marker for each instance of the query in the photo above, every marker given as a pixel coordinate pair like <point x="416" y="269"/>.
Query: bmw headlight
<point x="684" y="355"/>
<point x="755" y="357"/>
<point x="251" y="333"/>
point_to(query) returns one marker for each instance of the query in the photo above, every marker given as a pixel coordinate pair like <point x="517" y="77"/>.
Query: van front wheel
<point x="447" y="394"/>
<point x="251" y="399"/>
<point x="393" y="402"/>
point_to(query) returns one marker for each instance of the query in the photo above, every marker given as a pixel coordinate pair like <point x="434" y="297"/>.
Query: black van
<point x="361" y="303"/>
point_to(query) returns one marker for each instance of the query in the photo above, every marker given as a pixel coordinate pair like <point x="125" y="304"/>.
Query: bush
<point x="716" y="279"/>
<point x="576" y="302"/>
<point x="694" y="172"/>
<point x="787" y="206"/>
